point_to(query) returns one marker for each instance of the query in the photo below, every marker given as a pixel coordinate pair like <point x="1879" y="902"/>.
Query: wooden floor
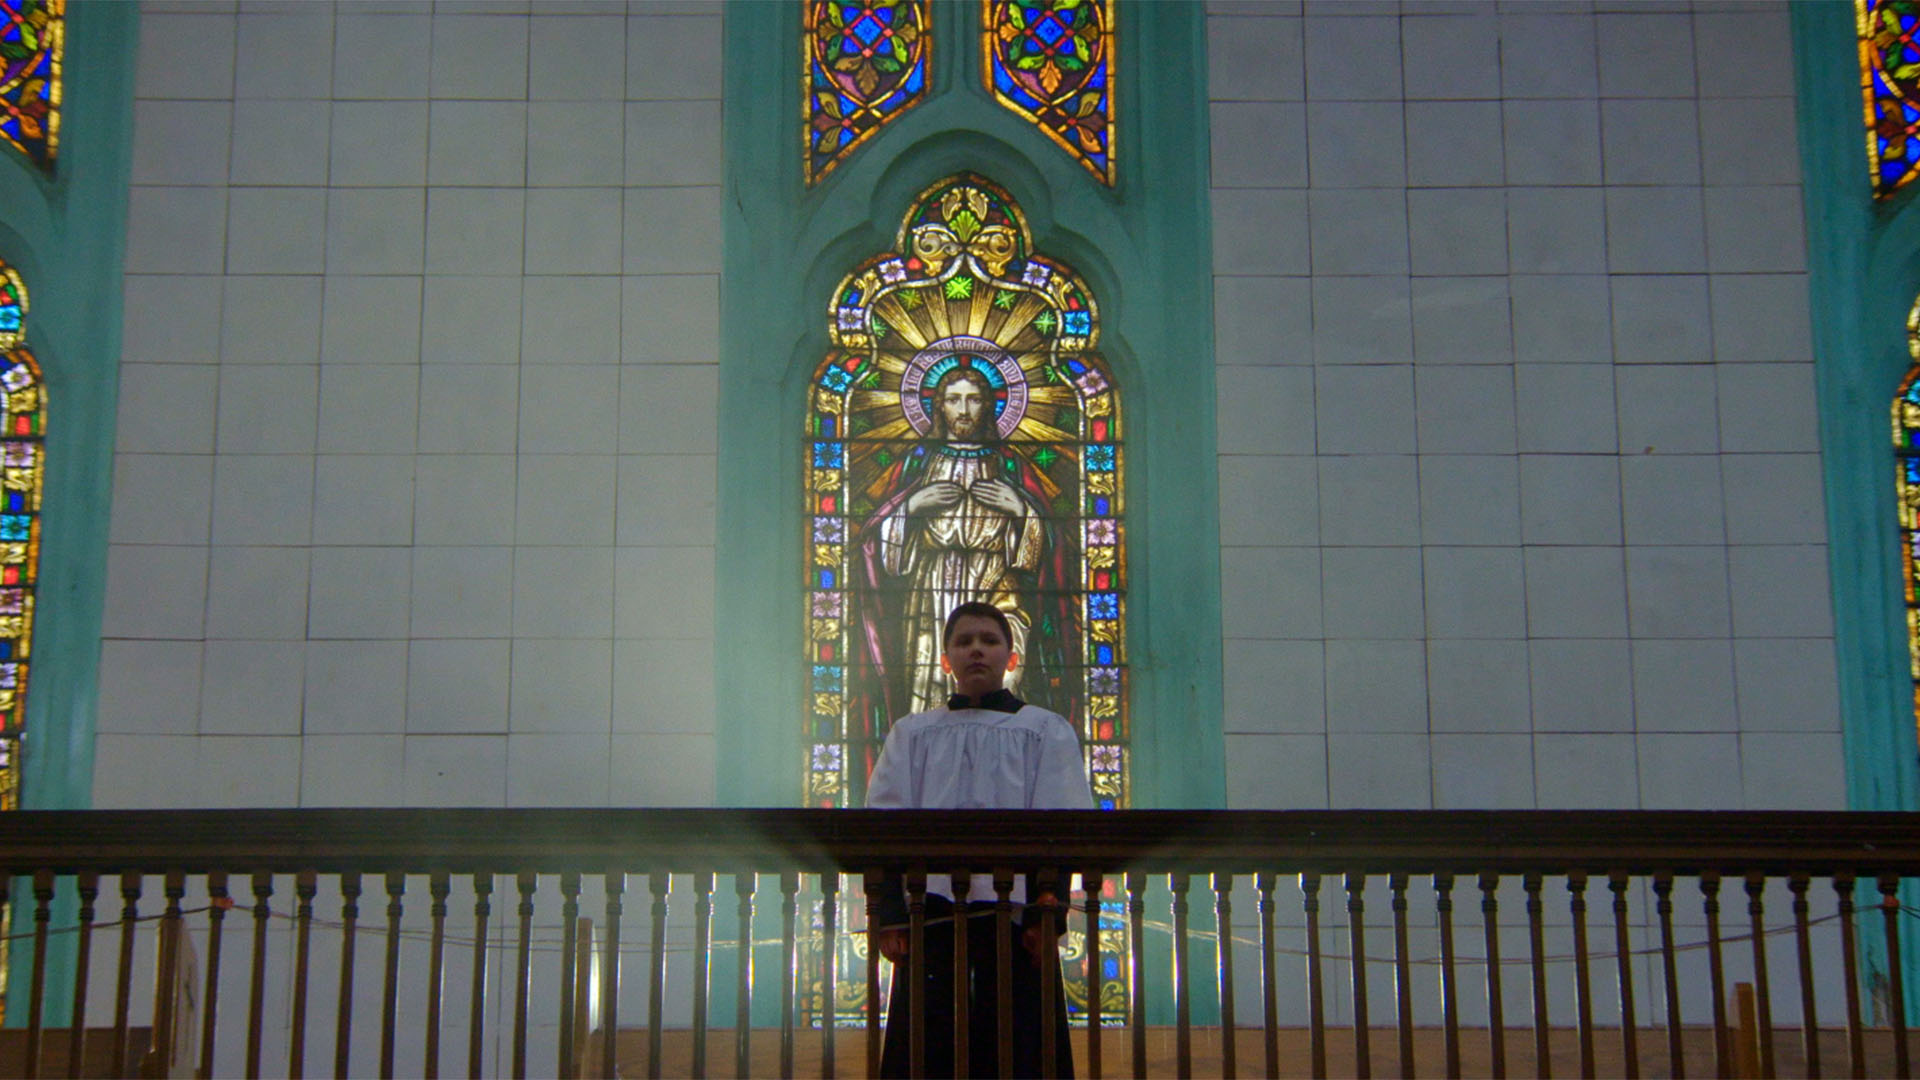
<point x="1161" y="1059"/>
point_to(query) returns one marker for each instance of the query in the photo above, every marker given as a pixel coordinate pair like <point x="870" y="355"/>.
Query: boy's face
<point x="978" y="656"/>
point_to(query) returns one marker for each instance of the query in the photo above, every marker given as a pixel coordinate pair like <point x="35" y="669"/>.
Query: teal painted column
<point x="1863" y="263"/>
<point x="67" y="236"/>
<point x="1145" y="248"/>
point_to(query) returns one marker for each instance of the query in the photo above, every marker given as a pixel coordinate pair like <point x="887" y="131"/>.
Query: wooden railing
<point x="1803" y="876"/>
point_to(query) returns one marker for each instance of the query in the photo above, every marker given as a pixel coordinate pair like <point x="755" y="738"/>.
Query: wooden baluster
<point x="439" y="884"/>
<point x="1269" y="990"/>
<point x="1316" y="1000"/>
<point x="1449" y="973"/>
<point x="1763" y="996"/>
<point x="829" y="965"/>
<point x="1093" y="884"/>
<point x="305" y="884"/>
<point x="1357" y="948"/>
<point x="36" y="1007"/>
<point x="1896" y="981"/>
<point x="477" y="994"/>
<point x="916" y="973"/>
<point x="349" y="921"/>
<point x="615" y="885"/>
<point x="789" y="954"/>
<point x="962" y="972"/>
<point x="1223" y="927"/>
<point x="390" y="992"/>
<point x="743" y="885"/>
<point x="1182" y="988"/>
<point x="1137" y="969"/>
<point x="1856" y="1034"/>
<point x="582" y="965"/>
<point x="1537" y="940"/>
<point x="257" y="980"/>
<point x="159" y="1058"/>
<point x="703" y="945"/>
<point x="1496" y="1007"/>
<point x="569" y="945"/>
<point x="1797" y="884"/>
<point x="1402" y="971"/>
<point x="89" y="888"/>
<point x="1663" y="907"/>
<point x="1617" y="882"/>
<point x="526" y="882"/>
<point x="1582" y="968"/>
<point x="1046" y="882"/>
<point x="123" y="985"/>
<point x="1003" y="967"/>
<point x="872" y="883"/>
<point x="1722" y="1037"/>
<point x="659" y="885"/>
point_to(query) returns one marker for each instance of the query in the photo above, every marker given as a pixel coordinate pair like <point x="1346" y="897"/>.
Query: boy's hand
<point x="893" y="945"/>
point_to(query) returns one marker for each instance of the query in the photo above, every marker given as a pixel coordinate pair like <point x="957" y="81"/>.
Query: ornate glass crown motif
<point x="866" y="63"/>
<point x="32" y="47"/>
<point x="1051" y="61"/>
<point x="1890" y="89"/>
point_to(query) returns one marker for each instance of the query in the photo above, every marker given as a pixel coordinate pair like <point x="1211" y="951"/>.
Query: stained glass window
<point x="866" y="63"/>
<point x="1051" y="61"/>
<point x="32" y="39"/>
<point x="963" y="361"/>
<point x="1890" y="88"/>
<point x="1906" y="446"/>
<point x="963" y="443"/>
<point x="22" y="468"/>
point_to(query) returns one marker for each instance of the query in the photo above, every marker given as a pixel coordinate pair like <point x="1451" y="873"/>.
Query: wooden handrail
<point x="1210" y="841"/>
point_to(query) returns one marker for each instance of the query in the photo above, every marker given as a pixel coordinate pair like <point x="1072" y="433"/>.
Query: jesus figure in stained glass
<point x="962" y="518"/>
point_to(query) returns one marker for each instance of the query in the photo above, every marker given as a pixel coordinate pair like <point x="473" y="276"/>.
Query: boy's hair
<point x="979" y="609"/>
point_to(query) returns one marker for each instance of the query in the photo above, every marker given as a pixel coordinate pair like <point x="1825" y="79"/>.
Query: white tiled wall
<point x="1520" y="489"/>
<point x="414" y="498"/>
<point x="415" y="478"/>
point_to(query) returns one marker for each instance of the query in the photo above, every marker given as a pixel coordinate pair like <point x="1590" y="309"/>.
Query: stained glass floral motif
<point x="963" y="443"/>
<point x="866" y="64"/>
<point x="1051" y="61"/>
<point x="22" y="470"/>
<point x="1890" y="89"/>
<point x="32" y="40"/>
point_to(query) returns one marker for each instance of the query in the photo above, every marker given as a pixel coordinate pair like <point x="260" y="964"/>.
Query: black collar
<point x="1001" y="700"/>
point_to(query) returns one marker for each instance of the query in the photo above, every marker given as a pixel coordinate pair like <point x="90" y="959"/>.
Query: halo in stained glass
<point x="1890" y="89"/>
<point x="32" y="45"/>
<point x="865" y="63"/>
<point x="1051" y="61"/>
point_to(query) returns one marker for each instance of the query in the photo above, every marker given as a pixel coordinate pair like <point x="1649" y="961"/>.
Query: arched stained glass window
<point x="22" y="470"/>
<point x="866" y="63"/>
<point x="1890" y="88"/>
<point x="32" y="40"/>
<point x="963" y="364"/>
<point x="1051" y="61"/>
<point x="964" y="443"/>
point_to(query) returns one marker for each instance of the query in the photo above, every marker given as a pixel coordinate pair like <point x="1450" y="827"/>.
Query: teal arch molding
<point x="67" y="236"/>
<point x="1145" y="246"/>
<point x="1863" y="263"/>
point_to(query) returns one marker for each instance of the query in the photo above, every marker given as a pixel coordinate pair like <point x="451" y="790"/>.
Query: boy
<point x="987" y="750"/>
